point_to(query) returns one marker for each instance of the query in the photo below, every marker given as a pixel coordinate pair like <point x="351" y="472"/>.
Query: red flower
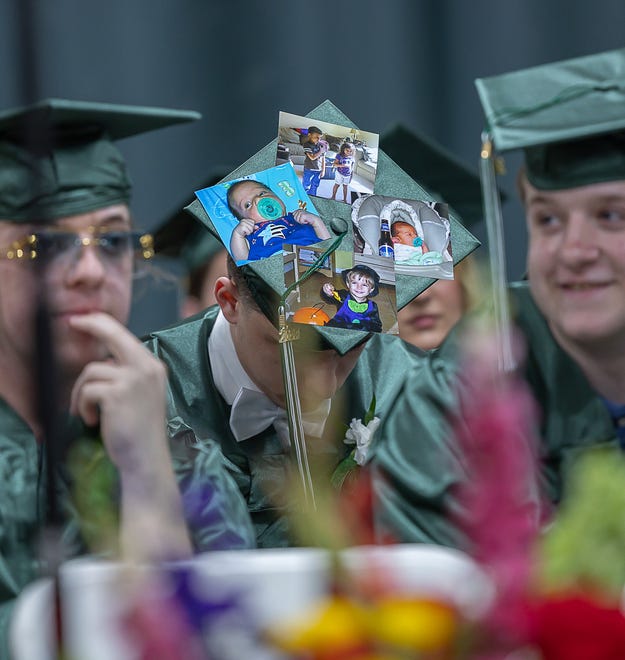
<point x="577" y="628"/>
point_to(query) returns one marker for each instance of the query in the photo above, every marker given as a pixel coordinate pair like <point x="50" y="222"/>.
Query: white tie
<point x="252" y="412"/>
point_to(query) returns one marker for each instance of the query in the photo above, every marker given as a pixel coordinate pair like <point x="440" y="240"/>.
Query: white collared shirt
<point x="252" y="410"/>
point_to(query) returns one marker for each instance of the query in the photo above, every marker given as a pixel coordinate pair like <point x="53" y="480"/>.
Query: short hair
<point x="254" y="293"/>
<point x="358" y="272"/>
<point x="237" y="276"/>
<point x="314" y="129"/>
<point x="236" y="185"/>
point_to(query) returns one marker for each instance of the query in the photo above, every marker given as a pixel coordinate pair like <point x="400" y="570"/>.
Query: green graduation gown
<point x="215" y="512"/>
<point x="573" y="417"/>
<point x="259" y="464"/>
<point x="421" y="460"/>
<point x="22" y="511"/>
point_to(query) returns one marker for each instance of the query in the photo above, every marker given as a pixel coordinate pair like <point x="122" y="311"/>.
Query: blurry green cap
<point x="568" y="116"/>
<point x="57" y="157"/>
<point x="265" y="277"/>
<point x="444" y="175"/>
<point x="181" y="236"/>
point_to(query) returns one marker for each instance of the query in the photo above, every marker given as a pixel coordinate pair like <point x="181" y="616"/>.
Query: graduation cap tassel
<point x="497" y="255"/>
<point x="288" y="334"/>
<point x="293" y="408"/>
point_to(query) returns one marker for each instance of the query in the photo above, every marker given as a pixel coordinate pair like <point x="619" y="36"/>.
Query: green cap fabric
<point x="57" y="157"/>
<point x="568" y="116"/>
<point x="183" y="237"/>
<point x="267" y="275"/>
<point x="446" y="177"/>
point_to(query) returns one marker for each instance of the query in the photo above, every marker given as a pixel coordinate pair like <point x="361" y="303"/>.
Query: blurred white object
<point x="274" y="586"/>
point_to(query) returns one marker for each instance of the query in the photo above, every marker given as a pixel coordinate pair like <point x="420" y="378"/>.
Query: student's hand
<point x="125" y="394"/>
<point x="244" y="228"/>
<point x="328" y="289"/>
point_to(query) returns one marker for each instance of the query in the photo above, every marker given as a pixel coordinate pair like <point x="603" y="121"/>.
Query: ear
<point x="228" y="298"/>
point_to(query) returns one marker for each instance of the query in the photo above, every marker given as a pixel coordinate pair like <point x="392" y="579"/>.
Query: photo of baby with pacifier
<point x="407" y="235"/>
<point x="256" y="215"/>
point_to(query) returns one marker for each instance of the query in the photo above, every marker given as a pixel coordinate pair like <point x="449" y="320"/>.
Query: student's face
<point x="319" y="373"/>
<point x="404" y="233"/>
<point x="75" y="282"/>
<point x="426" y="321"/>
<point x="246" y="197"/>
<point x="359" y="286"/>
<point x="576" y="261"/>
<point x="314" y="137"/>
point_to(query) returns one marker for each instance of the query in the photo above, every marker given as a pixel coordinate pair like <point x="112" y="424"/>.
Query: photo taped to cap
<point x="254" y="215"/>
<point x="346" y="290"/>
<point x="414" y="233"/>
<point x="332" y="161"/>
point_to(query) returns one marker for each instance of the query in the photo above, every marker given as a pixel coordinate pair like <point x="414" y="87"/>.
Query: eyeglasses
<point x="54" y="245"/>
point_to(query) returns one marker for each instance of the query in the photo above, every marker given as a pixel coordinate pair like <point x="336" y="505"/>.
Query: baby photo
<point x="414" y="233"/>
<point x="255" y="215"/>
<point x="332" y="161"/>
<point x="349" y="291"/>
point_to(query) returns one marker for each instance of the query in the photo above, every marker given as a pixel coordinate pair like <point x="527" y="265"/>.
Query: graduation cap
<point x="444" y="175"/>
<point x="181" y="236"/>
<point x="569" y="119"/>
<point x="265" y="277"/>
<point x="57" y="157"/>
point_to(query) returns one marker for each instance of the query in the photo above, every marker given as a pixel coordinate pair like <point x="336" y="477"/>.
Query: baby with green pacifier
<point x="264" y="223"/>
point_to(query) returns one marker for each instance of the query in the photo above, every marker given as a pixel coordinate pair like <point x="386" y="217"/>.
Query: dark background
<point x="240" y="62"/>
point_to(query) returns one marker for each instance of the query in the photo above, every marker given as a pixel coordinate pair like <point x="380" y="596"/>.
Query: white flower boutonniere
<point x="359" y="433"/>
<point x="361" y="436"/>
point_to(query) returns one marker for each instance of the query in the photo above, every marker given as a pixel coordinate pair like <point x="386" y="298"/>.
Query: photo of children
<point x="355" y="309"/>
<point x="348" y="291"/>
<point x="328" y="156"/>
<point x="256" y="215"/>
<point x="414" y="232"/>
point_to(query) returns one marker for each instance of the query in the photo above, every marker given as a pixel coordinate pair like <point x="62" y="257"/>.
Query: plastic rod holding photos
<point x="497" y="255"/>
<point x="288" y="334"/>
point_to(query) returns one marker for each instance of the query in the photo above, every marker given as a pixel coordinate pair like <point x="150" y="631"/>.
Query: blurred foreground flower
<point x="500" y="496"/>
<point x="392" y="628"/>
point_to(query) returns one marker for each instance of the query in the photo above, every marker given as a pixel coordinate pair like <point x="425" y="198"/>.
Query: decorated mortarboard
<point x="57" y="157"/>
<point x="569" y="119"/>
<point x="444" y="175"/>
<point x="181" y="236"/>
<point x="265" y="277"/>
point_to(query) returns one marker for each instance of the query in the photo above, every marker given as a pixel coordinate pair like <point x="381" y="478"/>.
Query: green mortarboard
<point x="568" y="116"/>
<point x="438" y="170"/>
<point x="183" y="237"/>
<point x="57" y="157"/>
<point x="266" y="277"/>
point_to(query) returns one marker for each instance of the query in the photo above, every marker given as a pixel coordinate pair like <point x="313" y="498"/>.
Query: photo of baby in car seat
<point x="415" y="232"/>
